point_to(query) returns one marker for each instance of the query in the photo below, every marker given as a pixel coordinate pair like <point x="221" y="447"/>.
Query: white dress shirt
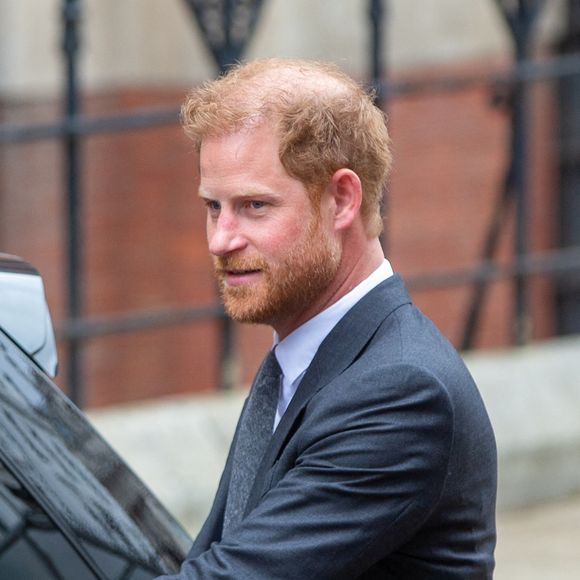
<point x="296" y="351"/>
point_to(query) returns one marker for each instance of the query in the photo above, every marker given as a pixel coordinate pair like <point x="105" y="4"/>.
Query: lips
<point x="235" y="271"/>
<point x="240" y="272"/>
<point x="240" y="277"/>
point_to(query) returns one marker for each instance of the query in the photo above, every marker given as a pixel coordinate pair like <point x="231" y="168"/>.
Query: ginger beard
<point x="286" y="287"/>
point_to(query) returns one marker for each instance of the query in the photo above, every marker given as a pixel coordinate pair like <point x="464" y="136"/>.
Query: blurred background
<point x="482" y="218"/>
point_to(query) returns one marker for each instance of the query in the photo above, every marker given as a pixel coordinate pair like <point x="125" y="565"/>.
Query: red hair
<point x="324" y="121"/>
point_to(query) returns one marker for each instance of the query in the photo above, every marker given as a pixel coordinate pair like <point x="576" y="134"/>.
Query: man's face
<point x="274" y="254"/>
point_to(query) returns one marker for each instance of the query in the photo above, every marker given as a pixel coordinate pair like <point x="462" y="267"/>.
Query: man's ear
<point x="346" y="191"/>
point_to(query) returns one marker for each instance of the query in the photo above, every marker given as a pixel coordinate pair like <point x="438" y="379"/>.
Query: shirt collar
<point x="296" y="351"/>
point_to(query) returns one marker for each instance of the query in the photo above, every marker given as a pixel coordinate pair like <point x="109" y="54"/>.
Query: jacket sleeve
<point x="362" y="472"/>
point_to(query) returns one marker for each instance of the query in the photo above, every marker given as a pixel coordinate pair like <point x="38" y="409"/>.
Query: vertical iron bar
<point x="71" y="11"/>
<point x="520" y="20"/>
<point x="229" y="57"/>
<point x="568" y="286"/>
<point x="228" y="370"/>
<point x="228" y="375"/>
<point x="376" y="21"/>
<point x="521" y="120"/>
<point x="376" y="13"/>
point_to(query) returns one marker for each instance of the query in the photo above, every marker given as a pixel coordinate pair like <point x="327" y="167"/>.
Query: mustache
<point x="223" y="264"/>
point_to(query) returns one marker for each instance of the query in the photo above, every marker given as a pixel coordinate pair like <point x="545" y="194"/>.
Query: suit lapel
<point x="336" y="353"/>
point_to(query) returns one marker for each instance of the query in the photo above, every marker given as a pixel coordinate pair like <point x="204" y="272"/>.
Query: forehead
<point x="239" y="146"/>
<point x="243" y="159"/>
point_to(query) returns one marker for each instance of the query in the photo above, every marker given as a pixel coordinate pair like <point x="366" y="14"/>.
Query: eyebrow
<point x="242" y="195"/>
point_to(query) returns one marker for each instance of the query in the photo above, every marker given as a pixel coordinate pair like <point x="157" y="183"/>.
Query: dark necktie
<point x="254" y="434"/>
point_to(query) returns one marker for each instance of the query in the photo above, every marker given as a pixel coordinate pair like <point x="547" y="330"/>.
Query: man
<point x="378" y="459"/>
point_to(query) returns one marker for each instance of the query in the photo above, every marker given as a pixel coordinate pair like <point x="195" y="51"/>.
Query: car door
<point x="70" y="508"/>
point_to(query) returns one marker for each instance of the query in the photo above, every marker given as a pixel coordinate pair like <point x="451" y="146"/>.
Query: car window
<point x="48" y="445"/>
<point x="31" y="546"/>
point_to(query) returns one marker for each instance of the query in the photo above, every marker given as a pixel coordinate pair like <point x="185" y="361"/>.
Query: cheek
<point x="284" y="237"/>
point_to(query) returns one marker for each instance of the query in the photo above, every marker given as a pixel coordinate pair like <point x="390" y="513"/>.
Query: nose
<point x="225" y="236"/>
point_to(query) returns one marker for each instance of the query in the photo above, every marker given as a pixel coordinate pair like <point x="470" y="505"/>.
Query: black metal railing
<point x="226" y="47"/>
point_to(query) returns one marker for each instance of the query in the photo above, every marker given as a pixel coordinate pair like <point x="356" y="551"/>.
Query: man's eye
<point x="257" y="204"/>
<point x="212" y="206"/>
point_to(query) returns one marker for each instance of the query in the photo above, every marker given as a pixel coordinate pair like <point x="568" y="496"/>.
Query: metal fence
<point x="512" y="85"/>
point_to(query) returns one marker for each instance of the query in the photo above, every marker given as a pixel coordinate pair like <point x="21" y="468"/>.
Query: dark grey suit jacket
<point x="383" y="466"/>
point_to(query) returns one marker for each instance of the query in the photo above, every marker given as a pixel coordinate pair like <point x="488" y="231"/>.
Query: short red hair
<point x="324" y="120"/>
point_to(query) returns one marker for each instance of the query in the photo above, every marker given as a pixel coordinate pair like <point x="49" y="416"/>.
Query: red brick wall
<point x="451" y="153"/>
<point x="145" y="240"/>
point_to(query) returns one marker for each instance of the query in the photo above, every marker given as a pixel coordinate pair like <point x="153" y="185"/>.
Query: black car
<point x="70" y="508"/>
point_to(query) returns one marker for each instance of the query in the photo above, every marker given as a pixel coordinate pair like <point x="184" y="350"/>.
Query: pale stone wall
<point x="156" y="42"/>
<point x="178" y="446"/>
